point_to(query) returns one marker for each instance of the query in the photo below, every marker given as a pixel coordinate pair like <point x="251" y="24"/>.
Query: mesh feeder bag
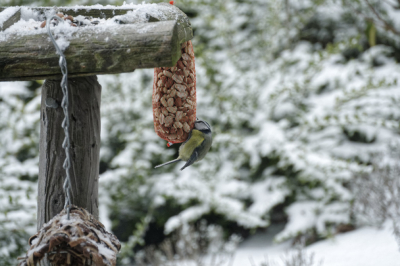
<point x="174" y="97"/>
<point x="81" y="240"/>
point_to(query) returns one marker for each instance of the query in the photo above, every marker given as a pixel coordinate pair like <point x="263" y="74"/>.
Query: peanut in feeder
<point x="174" y="97"/>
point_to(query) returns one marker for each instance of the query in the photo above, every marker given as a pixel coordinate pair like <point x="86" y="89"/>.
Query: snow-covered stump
<point x="94" y="40"/>
<point x="80" y="240"/>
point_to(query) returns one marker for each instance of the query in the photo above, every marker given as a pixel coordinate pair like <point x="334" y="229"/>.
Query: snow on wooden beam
<point x="10" y="16"/>
<point x="121" y="44"/>
<point x="91" y="51"/>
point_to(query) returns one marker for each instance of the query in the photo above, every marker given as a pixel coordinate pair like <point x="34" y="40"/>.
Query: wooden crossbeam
<point x="97" y="50"/>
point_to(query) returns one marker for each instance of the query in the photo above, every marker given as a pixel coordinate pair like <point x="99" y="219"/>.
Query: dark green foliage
<point x="17" y="240"/>
<point x="358" y="136"/>
<point x="351" y="53"/>
<point x="319" y="30"/>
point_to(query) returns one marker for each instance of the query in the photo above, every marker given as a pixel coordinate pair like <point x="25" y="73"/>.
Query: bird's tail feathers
<point x="173" y="161"/>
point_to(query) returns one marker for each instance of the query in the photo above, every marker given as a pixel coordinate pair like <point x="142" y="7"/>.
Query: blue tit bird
<point x="196" y="146"/>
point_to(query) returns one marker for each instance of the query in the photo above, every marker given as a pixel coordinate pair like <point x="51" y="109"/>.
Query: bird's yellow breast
<point x="195" y="141"/>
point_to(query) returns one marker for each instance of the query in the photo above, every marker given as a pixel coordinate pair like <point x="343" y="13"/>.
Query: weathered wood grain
<point x="98" y="49"/>
<point x="91" y="50"/>
<point x="84" y="95"/>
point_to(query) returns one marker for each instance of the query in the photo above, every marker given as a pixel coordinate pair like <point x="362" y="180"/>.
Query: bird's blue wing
<point x="192" y="158"/>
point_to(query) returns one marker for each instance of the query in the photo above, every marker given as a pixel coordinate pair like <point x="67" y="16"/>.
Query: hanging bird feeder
<point x="174" y="97"/>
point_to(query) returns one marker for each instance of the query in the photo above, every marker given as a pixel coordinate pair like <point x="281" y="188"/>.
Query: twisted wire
<point x="65" y="124"/>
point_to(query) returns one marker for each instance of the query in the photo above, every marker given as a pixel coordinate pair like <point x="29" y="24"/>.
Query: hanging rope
<point x="65" y="124"/>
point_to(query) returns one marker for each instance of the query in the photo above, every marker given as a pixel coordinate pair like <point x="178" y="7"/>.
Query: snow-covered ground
<point x="366" y="246"/>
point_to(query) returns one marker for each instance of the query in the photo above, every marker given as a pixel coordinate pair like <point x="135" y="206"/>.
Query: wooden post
<point x="84" y="97"/>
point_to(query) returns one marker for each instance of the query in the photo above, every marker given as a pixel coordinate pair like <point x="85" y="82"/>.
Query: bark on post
<point x="84" y="99"/>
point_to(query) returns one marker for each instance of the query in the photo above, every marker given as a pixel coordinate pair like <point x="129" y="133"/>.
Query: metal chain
<point x="65" y="124"/>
